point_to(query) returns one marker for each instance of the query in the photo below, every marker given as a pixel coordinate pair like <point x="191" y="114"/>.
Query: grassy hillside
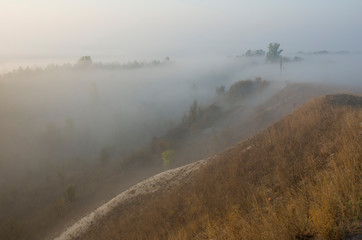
<point x="42" y="205"/>
<point x="299" y="179"/>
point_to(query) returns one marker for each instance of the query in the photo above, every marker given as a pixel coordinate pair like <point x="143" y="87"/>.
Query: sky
<point x="175" y="28"/>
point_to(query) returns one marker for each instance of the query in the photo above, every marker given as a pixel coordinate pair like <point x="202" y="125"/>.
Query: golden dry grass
<point x="299" y="179"/>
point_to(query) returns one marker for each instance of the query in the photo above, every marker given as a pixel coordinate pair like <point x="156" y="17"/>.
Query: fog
<point x="75" y="124"/>
<point x="62" y="112"/>
<point x="332" y="68"/>
<point x="49" y="117"/>
<point x="93" y="93"/>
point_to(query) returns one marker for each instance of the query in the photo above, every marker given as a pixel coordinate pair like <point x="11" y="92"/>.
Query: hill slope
<point x="43" y="210"/>
<point x="299" y="179"/>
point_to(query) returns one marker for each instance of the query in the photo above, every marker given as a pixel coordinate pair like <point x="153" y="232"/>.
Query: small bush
<point x="168" y="157"/>
<point x="246" y="88"/>
<point x="60" y="207"/>
<point x="70" y="193"/>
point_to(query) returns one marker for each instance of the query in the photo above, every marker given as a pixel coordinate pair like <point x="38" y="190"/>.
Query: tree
<point x="85" y="61"/>
<point x="220" y="91"/>
<point x="255" y="53"/>
<point x="259" y="52"/>
<point x="70" y="193"/>
<point x="194" y="112"/>
<point x="248" y="53"/>
<point x="273" y="53"/>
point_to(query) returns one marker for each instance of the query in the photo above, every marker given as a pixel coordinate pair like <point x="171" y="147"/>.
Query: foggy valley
<point x="96" y="99"/>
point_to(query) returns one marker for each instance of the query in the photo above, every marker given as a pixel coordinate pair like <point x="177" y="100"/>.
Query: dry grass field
<point x="299" y="179"/>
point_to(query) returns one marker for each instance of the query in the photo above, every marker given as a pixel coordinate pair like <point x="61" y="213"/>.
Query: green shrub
<point x="168" y="157"/>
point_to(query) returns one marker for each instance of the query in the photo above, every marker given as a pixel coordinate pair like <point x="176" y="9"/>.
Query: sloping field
<point x="299" y="179"/>
<point x="165" y="181"/>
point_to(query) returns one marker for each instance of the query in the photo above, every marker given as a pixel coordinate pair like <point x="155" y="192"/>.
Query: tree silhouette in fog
<point x="85" y="60"/>
<point x="273" y="53"/>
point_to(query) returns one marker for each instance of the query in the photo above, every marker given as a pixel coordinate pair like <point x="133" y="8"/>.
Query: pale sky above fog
<point x="176" y="28"/>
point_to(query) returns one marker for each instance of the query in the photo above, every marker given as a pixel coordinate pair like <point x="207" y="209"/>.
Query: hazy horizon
<point x="142" y="30"/>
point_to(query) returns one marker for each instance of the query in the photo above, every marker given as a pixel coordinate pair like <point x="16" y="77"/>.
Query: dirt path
<point x="164" y="180"/>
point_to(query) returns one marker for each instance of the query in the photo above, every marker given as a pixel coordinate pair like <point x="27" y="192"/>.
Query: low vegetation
<point x="197" y="119"/>
<point x="246" y="88"/>
<point x="299" y="179"/>
<point x="168" y="157"/>
<point x="86" y="62"/>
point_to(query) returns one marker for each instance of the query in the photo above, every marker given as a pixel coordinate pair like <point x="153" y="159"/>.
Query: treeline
<point x="86" y="62"/>
<point x="272" y="55"/>
<point x="198" y="120"/>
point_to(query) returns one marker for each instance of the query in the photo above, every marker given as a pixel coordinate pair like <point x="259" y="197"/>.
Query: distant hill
<point x="298" y="179"/>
